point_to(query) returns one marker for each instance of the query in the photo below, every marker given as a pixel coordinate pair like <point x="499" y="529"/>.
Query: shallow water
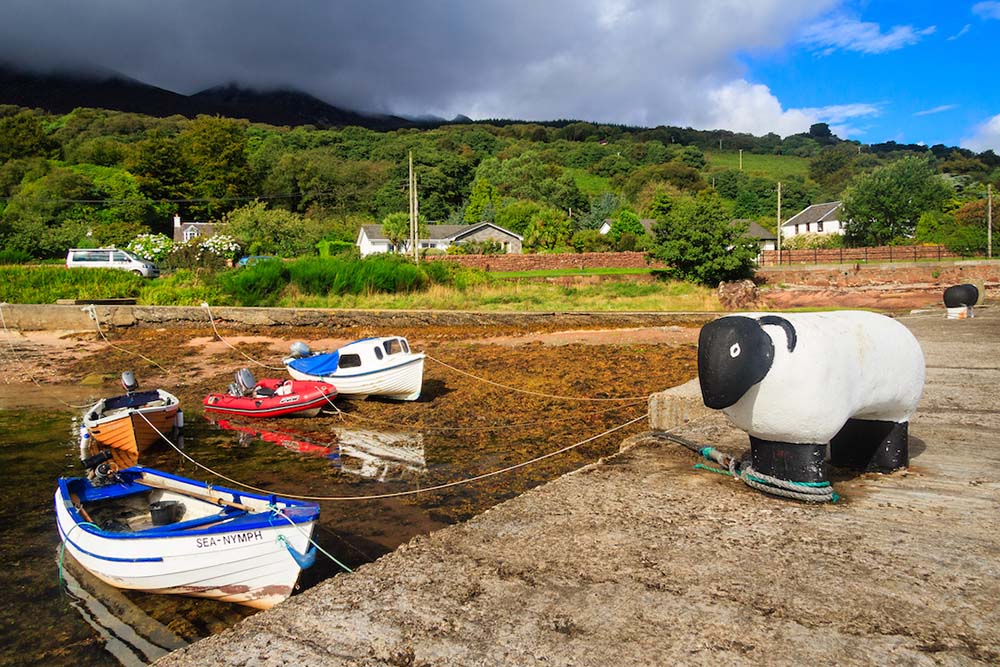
<point x="87" y="623"/>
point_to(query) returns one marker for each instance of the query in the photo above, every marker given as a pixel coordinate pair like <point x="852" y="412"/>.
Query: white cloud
<point x="987" y="10"/>
<point x="849" y="34"/>
<point x="985" y="137"/>
<point x="741" y="106"/>
<point x="934" y="110"/>
<point x="961" y="33"/>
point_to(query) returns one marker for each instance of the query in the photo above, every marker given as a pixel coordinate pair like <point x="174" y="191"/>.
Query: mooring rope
<point x="535" y="393"/>
<point x="233" y="347"/>
<point x="91" y="310"/>
<point x="208" y="308"/>
<point x="19" y="360"/>
<point x="398" y="494"/>
<point x="281" y="538"/>
<point x="810" y="492"/>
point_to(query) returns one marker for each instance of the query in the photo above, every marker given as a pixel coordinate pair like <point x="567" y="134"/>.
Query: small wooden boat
<point x="369" y="367"/>
<point x="152" y="531"/>
<point x="132" y="422"/>
<point x="271" y="397"/>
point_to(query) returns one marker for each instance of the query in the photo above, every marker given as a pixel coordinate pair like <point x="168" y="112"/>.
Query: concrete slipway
<point x="640" y="560"/>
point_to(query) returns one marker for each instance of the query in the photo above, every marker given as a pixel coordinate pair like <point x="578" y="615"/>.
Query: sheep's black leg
<point x="871" y="445"/>
<point x="788" y="460"/>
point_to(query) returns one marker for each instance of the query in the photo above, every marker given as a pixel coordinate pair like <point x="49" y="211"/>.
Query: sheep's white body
<point x="846" y="365"/>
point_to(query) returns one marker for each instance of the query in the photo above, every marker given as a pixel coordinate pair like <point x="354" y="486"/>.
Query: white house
<point x="647" y="224"/>
<point x="815" y="219"/>
<point x="185" y="231"/>
<point x="371" y="238"/>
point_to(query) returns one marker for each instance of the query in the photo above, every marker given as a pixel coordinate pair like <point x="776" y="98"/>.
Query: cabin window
<point x="392" y="346"/>
<point x="349" y="361"/>
<point x="406" y="348"/>
<point x="378" y="352"/>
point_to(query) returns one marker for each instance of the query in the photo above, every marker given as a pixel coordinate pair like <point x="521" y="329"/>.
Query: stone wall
<point x="978" y="272"/>
<point x="547" y="262"/>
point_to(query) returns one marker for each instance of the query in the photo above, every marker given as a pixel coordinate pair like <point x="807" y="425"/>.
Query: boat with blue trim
<point x="383" y="366"/>
<point x="152" y="531"/>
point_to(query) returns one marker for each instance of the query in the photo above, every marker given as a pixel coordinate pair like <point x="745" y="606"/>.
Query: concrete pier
<point x="641" y="560"/>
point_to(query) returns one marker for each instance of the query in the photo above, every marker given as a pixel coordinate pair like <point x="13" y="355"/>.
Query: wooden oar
<point x="75" y="499"/>
<point x="194" y="494"/>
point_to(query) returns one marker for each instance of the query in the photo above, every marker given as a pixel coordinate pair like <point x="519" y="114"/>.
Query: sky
<point x="917" y="71"/>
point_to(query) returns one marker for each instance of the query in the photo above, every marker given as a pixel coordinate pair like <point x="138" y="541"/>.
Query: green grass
<point x="47" y="284"/>
<point x="776" y="167"/>
<point x="589" y="184"/>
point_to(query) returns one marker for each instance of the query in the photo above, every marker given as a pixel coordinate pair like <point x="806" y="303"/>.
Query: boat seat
<point x="195" y="523"/>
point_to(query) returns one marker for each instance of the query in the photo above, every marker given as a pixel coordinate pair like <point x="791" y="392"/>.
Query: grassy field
<point x="551" y="273"/>
<point x="531" y="297"/>
<point x="589" y="184"/>
<point x="775" y="167"/>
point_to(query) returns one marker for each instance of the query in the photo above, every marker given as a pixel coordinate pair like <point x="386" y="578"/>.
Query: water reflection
<point x="376" y="455"/>
<point x="129" y="634"/>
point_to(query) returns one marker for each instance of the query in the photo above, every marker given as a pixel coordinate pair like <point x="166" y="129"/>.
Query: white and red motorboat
<point x="271" y="397"/>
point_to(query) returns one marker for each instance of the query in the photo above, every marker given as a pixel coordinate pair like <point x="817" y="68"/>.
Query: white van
<point x="110" y="258"/>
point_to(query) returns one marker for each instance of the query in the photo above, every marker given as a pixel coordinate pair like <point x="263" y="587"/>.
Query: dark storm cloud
<point x="641" y="62"/>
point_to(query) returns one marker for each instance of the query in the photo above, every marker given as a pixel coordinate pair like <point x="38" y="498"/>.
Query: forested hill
<point x="61" y="93"/>
<point x="98" y="176"/>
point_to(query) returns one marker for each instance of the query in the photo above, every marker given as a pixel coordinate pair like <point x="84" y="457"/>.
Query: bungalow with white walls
<point x="371" y="238"/>
<point x="815" y="219"/>
<point x="185" y="231"/>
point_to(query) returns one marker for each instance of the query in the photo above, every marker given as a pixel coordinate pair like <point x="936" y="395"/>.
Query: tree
<point x="263" y="231"/>
<point x="698" y="242"/>
<point x="627" y="222"/>
<point x="396" y="227"/>
<point x="215" y="148"/>
<point x="484" y="197"/>
<point x="886" y="203"/>
<point x="22" y="135"/>
<point x="549" y="229"/>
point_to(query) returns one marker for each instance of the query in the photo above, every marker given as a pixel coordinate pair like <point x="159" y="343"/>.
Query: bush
<point x="46" y="284"/>
<point x="182" y="288"/>
<point x="257" y="285"/>
<point x="11" y="256"/>
<point x="332" y="248"/>
<point x="812" y="241"/>
<point x="154" y="247"/>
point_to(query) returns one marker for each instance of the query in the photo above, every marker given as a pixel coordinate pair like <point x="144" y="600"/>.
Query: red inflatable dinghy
<point x="271" y="397"/>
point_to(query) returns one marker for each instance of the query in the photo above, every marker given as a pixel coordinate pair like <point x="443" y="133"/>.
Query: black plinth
<point x="788" y="460"/>
<point x="871" y="445"/>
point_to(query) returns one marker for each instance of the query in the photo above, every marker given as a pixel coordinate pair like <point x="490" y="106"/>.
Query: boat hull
<point x="132" y="430"/>
<point x="306" y="399"/>
<point x="241" y="557"/>
<point x="402" y="381"/>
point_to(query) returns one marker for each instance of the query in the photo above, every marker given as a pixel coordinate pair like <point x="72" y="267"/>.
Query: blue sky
<point x="913" y="72"/>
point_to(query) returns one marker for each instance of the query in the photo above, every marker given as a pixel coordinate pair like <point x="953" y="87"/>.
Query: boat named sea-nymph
<point x="383" y="366"/>
<point x="156" y="532"/>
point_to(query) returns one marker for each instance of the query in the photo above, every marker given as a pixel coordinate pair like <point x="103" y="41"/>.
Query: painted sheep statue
<point x="798" y="382"/>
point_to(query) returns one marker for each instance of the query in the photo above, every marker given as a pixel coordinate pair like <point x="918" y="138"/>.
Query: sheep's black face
<point x="734" y="354"/>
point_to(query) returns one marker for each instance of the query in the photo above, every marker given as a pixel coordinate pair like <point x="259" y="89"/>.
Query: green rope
<point x="62" y="550"/>
<point x="702" y="466"/>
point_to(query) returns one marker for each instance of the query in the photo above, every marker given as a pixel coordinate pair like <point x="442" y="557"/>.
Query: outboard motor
<point x="129" y="383"/>
<point x="299" y="350"/>
<point x="245" y="381"/>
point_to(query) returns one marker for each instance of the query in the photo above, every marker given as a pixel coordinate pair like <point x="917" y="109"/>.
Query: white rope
<point x="21" y="361"/>
<point x="535" y="393"/>
<point x="247" y="356"/>
<point x="92" y="311"/>
<point x="397" y="494"/>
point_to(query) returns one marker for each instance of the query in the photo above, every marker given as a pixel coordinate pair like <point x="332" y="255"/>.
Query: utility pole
<point x="989" y="221"/>
<point x="779" y="223"/>
<point x="741" y="159"/>
<point x="414" y="212"/>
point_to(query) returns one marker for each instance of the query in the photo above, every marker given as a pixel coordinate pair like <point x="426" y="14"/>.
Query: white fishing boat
<point x="147" y="530"/>
<point x="383" y="366"/>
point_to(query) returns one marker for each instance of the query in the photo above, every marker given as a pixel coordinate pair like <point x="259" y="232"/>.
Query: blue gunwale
<point x="296" y="511"/>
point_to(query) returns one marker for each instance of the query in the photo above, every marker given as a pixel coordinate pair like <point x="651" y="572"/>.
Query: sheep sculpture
<point x="798" y="383"/>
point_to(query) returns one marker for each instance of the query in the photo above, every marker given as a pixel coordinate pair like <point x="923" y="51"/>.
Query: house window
<point x="796" y="228"/>
<point x="191" y="233"/>
<point x="819" y="226"/>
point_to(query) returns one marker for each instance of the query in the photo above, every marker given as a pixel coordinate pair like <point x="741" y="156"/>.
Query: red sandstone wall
<point x="852" y="255"/>
<point x="941" y="274"/>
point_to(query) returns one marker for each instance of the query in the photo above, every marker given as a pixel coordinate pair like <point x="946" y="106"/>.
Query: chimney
<point x="177" y="220"/>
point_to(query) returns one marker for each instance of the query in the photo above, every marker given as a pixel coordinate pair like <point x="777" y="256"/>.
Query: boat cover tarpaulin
<point x="131" y="400"/>
<point x="318" y="364"/>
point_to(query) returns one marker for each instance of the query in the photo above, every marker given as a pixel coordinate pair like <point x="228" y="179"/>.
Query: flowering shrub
<point x="214" y="252"/>
<point x="154" y="247"/>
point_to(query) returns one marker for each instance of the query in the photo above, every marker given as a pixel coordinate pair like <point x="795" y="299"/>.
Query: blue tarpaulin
<point x="318" y="364"/>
